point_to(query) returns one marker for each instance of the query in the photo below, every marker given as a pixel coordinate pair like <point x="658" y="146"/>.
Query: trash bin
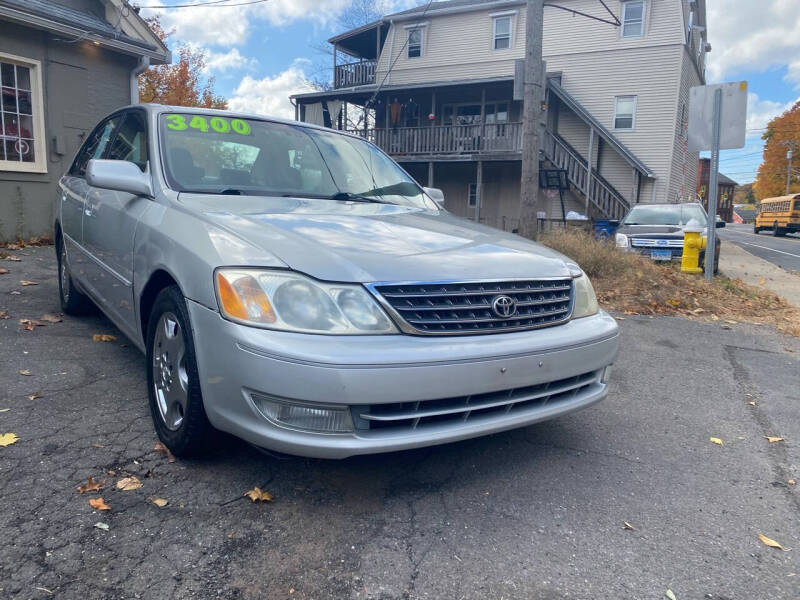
<point x="604" y="229"/>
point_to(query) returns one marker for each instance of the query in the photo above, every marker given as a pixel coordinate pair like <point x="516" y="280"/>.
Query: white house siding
<point x="651" y="74"/>
<point x="683" y="178"/>
<point x="456" y="46"/>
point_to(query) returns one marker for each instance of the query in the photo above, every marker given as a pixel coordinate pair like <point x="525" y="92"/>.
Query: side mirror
<point x="436" y="195"/>
<point x="120" y="176"/>
<point x="721" y="224"/>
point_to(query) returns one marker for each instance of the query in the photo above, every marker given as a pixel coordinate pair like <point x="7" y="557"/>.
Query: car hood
<point x="365" y="242"/>
<point x="649" y="230"/>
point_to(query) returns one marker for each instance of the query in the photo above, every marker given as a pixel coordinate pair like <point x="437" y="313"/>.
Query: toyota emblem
<point x="504" y="306"/>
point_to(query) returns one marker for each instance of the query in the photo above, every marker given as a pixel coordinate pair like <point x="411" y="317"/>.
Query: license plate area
<point x="661" y="254"/>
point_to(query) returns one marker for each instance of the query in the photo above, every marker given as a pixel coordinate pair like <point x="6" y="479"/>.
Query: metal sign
<point x="732" y="118"/>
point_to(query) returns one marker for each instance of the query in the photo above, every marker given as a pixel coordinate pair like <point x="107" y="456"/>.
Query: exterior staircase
<point x="603" y="197"/>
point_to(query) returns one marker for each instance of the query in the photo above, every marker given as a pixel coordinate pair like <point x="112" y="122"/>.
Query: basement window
<point x="21" y="122"/>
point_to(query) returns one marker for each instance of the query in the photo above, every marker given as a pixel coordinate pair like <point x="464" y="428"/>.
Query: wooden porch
<point x="439" y="140"/>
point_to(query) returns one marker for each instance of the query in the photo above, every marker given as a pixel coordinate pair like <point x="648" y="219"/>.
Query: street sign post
<point x="717" y="117"/>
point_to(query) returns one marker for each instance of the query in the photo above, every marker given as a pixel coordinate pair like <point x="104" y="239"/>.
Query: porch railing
<point x="353" y="74"/>
<point x="601" y="193"/>
<point x="447" y="139"/>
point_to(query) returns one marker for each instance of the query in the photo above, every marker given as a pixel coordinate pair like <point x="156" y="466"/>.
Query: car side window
<point x="130" y="142"/>
<point x="95" y="145"/>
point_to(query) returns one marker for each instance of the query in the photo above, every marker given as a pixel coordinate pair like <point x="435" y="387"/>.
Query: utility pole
<point x="789" y="154"/>
<point x="532" y="109"/>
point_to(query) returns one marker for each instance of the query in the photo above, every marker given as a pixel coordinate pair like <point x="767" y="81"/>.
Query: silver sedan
<point x="294" y="287"/>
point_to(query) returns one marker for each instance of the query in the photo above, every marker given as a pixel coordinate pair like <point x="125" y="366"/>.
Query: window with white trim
<point x="472" y="195"/>
<point x="633" y="18"/>
<point x="415" y="43"/>
<point x="501" y="33"/>
<point x="21" y="122"/>
<point x="624" y="112"/>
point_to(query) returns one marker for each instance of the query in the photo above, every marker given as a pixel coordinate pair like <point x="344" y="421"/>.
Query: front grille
<point x="656" y="243"/>
<point x="454" y="412"/>
<point x="465" y="308"/>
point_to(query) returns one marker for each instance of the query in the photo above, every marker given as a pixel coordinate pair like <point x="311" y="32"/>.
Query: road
<point x="535" y="514"/>
<point x="783" y="251"/>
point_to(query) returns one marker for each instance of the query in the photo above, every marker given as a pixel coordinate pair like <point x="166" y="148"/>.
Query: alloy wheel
<point x="170" y="377"/>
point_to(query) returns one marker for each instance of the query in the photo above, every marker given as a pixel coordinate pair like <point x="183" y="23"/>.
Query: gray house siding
<point x="81" y="84"/>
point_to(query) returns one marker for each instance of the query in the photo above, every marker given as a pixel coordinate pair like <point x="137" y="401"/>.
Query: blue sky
<point x="260" y="53"/>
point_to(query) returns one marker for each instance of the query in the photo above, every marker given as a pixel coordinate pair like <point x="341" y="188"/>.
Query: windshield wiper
<point x="357" y="198"/>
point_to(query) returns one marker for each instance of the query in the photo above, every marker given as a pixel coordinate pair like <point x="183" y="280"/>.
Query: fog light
<point x="606" y="375"/>
<point x="321" y="418"/>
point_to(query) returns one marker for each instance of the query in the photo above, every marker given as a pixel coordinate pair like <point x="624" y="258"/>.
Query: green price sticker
<point x="214" y="125"/>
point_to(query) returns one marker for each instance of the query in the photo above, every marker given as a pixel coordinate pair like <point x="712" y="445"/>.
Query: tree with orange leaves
<point x="181" y="83"/>
<point x="781" y="132"/>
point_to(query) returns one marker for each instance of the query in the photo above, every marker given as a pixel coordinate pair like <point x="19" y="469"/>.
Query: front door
<point x="109" y="225"/>
<point x="73" y="190"/>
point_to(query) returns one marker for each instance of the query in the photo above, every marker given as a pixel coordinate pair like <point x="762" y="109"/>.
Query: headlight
<point x="585" y="303"/>
<point x="621" y="240"/>
<point x="293" y="302"/>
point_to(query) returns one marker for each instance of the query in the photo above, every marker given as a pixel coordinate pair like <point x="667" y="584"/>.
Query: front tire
<point x="73" y="302"/>
<point x="173" y="384"/>
<point x="777" y="231"/>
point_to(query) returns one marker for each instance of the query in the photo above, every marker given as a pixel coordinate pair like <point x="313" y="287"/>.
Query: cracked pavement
<point x="534" y="513"/>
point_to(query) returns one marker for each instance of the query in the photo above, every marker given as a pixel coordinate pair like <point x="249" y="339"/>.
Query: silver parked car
<point x="293" y="286"/>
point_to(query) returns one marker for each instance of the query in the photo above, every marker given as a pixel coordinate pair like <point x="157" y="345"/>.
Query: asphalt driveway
<point x="536" y="513"/>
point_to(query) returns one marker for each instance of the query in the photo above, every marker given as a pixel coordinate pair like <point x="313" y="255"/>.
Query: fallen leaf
<point x="626" y="525"/>
<point x="716" y="441"/>
<point x="162" y="449"/>
<point x="98" y="446"/>
<point x="4" y="315"/>
<point x="771" y="543"/>
<point x="51" y="318"/>
<point x="2" y="410"/>
<point x="772" y="439"/>
<point x="670" y="595"/>
<point x="6" y="439"/>
<point x="128" y="484"/>
<point x="34" y="396"/>
<point x="791" y="482"/>
<point x="620" y="318"/>
<point x="99" y="504"/>
<point x="25" y="282"/>
<point x="159" y="502"/>
<point x="674" y="302"/>
<point x="13" y="258"/>
<point x="3" y="271"/>
<point x="101" y="525"/>
<point x="30" y="324"/>
<point x="257" y="495"/>
<point x="714" y="318"/>
<point x="103" y="337"/>
<point x="25" y="372"/>
<point x="731" y="322"/>
<point x="752" y="403"/>
<point x="762" y="281"/>
<point x="231" y="534"/>
<point x="91" y="486"/>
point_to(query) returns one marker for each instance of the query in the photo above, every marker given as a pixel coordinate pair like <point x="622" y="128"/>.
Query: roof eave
<point x="156" y="55"/>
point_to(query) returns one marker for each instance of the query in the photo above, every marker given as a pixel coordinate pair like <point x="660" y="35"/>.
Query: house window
<point x="414" y="43"/>
<point x="472" y="195"/>
<point x="633" y="19"/>
<point x="624" y="112"/>
<point x="21" y="122"/>
<point x="502" y="33"/>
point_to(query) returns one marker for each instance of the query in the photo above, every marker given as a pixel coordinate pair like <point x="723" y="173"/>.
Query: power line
<point x="210" y="4"/>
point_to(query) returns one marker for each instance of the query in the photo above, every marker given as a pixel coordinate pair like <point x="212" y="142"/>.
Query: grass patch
<point x="631" y="284"/>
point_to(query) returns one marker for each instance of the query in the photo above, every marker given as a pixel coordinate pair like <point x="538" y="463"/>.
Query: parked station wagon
<point x="294" y="287"/>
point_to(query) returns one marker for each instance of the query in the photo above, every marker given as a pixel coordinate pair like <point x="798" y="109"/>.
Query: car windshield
<point x="667" y="214"/>
<point x="226" y="155"/>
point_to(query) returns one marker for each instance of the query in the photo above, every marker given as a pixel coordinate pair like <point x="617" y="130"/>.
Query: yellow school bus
<point x="779" y="215"/>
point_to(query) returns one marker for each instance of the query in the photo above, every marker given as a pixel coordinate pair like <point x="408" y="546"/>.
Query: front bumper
<point x="365" y="371"/>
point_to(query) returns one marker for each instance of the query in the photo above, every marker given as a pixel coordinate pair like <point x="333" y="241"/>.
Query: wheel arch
<point x="159" y="279"/>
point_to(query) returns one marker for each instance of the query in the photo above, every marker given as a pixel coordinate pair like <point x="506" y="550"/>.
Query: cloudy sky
<point x="261" y="52"/>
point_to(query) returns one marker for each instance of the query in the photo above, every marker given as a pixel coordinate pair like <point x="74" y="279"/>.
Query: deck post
<point x="430" y="174"/>
<point x="377" y="45"/>
<point x="482" y="143"/>
<point x="478" y="194"/>
<point x="589" y="153"/>
<point x="344" y="114"/>
<point x="335" y="82"/>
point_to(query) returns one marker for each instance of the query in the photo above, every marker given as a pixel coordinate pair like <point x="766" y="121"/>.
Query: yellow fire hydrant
<point x="693" y="243"/>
